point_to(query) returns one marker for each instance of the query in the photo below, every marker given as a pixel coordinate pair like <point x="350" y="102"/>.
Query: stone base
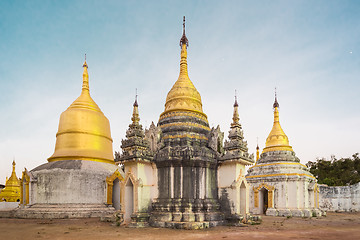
<point x="188" y="225"/>
<point x="139" y="220"/>
<point x="187" y="220"/>
<point x="294" y="212"/>
<point x="52" y="211"/>
<point x="272" y="212"/>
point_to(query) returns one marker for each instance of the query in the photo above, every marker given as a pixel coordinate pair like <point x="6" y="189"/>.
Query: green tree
<point x="336" y="172"/>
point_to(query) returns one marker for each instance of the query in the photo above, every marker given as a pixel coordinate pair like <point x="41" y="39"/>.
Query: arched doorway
<point x="243" y="199"/>
<point x="129" y="200"/>
<point x="116" y="194"/>
<point x="264" y="200"/>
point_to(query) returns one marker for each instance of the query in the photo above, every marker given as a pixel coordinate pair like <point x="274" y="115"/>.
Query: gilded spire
<point x="135" y="117"/>
<point x="277" y="139"/>
<point x="184" y="43"/>
<point x="257" y="151"/>
<point x="13" y="164"/>
<point x="183" y="96"/>
<point x="85" y="86"/>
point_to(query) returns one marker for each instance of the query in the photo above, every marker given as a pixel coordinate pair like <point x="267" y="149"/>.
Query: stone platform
<point x="53" y="211"/>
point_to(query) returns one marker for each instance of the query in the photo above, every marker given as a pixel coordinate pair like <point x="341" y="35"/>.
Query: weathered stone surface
<point x="70" y="182"/>
<point x="340" y="198"/>
<point x="64" y="211"/>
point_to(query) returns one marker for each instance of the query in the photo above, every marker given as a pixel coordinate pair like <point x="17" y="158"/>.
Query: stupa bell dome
<point x="84" y="131"/>
<point x="183" y="96"/>
<point x="277" y="139"/>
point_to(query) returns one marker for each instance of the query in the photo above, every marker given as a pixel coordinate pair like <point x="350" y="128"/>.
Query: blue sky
<point x="309" y="50"/>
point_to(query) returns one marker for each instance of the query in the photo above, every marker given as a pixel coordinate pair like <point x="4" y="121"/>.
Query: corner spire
<point x="135" y="116"/>
<point x="236" y="113"/>
<point x="85" y="85"/>
<point x="184" y="39"/>
<point x="257" y="149"/>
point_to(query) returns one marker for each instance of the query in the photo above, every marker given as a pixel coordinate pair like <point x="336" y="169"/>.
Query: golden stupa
<point x="277" y="139"/>
<point x="84" y="131"/>
<point x="183" y="96"/>
<point x="11" y="192"/>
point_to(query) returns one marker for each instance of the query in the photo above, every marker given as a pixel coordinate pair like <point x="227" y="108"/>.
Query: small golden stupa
<point x="84" y="131"/>
<point x="277" y="139"/>
<point x="11" y="192"/>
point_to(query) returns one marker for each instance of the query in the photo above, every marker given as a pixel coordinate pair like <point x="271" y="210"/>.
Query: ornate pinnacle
<point x="135" y="103"/>
<point x="85" y="64"/>
<point x="276" y="104"/>
<point x="235" y="114"/>
<point x="184" y="39"/>
<point x="85" y="85"/>
<point x="236" y="103"/>
<point x="135" y="117"/>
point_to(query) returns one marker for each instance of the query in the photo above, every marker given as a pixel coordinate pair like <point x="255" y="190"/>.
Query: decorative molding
<point x="25" y="180"/>
<point x="281" y="163"/>
<point x="110" y="182"/>
<point x="135" y="182"/>
<point x="185" y="135"/>
<point x="281" y="174"/>
<point x="191" y="124"/>
<point x="270" y="190"/>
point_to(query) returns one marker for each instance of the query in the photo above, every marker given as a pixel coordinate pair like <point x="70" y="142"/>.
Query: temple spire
<point x="135" y="117"/>
<point x="184" y="43"/>
<point x="277" y="139"/>
<point x="13" y="164"/>
<point x="184" y="39"/>
<point x="276" y="104"/>
<point x="236" y="113"/>
<point x="85" y="86"/>
<point x="257" y="149"/>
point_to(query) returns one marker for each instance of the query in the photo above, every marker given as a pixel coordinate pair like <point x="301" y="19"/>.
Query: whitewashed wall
<point x="342" y="198"/>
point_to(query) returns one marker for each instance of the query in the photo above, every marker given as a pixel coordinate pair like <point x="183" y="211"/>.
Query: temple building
<point x="186" y="165"/>
<point x="233" y="187"/>
<point x="11" y="192"/>
<point x="280" y="184"/>
<point x="173" y="170"/>
<point x="80" y="178"/>
<point x="139" y="187"/>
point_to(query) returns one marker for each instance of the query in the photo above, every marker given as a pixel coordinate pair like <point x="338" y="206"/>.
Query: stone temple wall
<point x="340" y="198"/>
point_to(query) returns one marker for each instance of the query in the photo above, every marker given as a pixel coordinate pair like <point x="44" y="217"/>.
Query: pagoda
<point x="11" y="192"/>
<point x="80" y="178"/>
<point x="280" y="184"/>
<point x="186" y="165"/>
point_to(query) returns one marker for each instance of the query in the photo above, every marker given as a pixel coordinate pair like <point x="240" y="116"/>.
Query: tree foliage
<point x="336" y="172"/>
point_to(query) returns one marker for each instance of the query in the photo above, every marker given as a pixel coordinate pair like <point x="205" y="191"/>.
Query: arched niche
<point x="114" y="181"/>
<point x="129" y="195"/>
<point x="259" y="195"/>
